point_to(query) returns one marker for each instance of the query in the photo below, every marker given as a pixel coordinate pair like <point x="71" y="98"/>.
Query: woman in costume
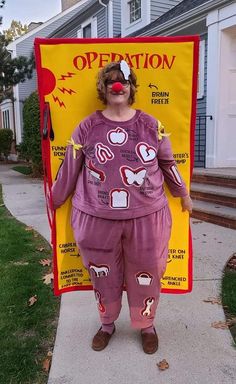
<point x="115" y="167"/>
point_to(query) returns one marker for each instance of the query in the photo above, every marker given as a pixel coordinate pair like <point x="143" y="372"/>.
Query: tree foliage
<point x="12" y="70"/>
<point x="6" y="136"/>
<point x="16" y="29"/>
<point x="30" y="147"/>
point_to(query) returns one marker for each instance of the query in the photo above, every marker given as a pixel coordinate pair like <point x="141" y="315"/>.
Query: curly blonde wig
<point x="112" y="72"/>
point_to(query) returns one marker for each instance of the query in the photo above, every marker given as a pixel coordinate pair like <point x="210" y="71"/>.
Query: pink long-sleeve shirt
<point x="116" y="170"/>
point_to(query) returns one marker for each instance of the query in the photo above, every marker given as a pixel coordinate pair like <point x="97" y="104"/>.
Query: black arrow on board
<point x="152" y="86"/>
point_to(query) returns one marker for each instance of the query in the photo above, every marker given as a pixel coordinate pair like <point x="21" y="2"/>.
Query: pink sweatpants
<point x="125" y="252"/>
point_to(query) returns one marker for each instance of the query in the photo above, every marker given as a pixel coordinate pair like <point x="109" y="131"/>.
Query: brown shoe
<point x="149" y="342"/>
<point x="101" y="340"/>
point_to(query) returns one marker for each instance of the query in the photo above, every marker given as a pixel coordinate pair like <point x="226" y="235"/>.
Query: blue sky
<point x="28" y="10"/>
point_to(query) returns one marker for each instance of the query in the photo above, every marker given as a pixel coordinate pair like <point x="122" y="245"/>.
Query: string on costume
<point x="161" y="130"/>
<point x="76" y="147"/>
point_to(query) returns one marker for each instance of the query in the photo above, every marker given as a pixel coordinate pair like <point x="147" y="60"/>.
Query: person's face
<point x="113" y="97"/>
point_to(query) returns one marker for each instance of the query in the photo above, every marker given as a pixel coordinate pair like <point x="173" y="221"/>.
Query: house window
<point x="135" y="10"/>
<point x="6" y="119"/>
<point x="87" y="31"/>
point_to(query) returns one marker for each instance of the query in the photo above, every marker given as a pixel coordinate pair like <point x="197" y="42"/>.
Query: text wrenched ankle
<point x="101" y="340"/>
<point x="149" y="342"/>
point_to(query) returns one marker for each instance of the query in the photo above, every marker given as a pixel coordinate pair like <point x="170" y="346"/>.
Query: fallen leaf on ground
<point x="40" y="249"/>
<point x="47" y="278"/>
<point x="32" y="300"/>
<point x="36" y="235"/>
<point x="29" y="228"/>
<point x="221" y="324"/>
<point x="45" y="262"/>
<point x="213" y="300"/>
<point x="163" y="365"/>
<point x="46" y="364"/>
<point x="232" y="262"/>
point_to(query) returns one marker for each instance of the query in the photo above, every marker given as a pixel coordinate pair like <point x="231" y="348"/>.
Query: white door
<point x="226" y="138"/>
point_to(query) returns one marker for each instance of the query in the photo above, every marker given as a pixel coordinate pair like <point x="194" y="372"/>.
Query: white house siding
<point x="116" y="18"/>
<point x="201" y="121"/>
<point x="201" y="104"/>
<point x="158" y="8"/>
<point x="221" y="86"/>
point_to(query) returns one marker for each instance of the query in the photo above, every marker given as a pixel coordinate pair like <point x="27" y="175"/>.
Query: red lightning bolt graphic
<point x="63" y="90"/>
<point x="60" y="102"/>
<point x="69" y="74"/>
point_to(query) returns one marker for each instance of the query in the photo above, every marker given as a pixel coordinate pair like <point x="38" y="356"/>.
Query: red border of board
<point x="46" y="143"/>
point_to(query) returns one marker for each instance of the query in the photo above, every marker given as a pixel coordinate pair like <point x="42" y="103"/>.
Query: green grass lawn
<point x="24" y="169"/>
<point x="229" y="298"/>
<point x="27" y="333"/>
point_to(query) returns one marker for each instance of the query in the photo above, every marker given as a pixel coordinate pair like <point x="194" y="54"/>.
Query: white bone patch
<point x="125" y="69"/>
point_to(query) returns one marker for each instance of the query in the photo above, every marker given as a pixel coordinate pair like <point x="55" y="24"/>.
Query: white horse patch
<point x="99" y="270"/>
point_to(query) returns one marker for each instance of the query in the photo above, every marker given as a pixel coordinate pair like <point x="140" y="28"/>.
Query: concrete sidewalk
<point x="196" y="352"/>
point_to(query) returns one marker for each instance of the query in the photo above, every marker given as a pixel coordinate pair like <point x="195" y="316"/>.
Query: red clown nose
<point x="117" y="87"/>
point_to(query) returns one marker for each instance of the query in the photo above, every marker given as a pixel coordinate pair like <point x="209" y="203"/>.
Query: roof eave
<point x="74" y="20"/>
<point x="184" y="20"/>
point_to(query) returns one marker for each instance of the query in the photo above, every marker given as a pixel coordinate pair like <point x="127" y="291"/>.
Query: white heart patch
<point x="145" y="152"/>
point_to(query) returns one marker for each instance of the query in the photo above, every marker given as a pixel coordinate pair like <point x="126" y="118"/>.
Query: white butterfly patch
<point x="133" y="176"/>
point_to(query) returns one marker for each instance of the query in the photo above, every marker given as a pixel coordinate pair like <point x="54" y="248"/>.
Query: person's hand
<point x="187" y="204"/>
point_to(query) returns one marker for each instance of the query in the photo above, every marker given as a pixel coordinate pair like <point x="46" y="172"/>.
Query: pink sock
<point x="150" y="329"/>
<point x="109" y="328"/>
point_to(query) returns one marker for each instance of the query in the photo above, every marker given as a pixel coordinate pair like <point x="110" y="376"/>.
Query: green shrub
<point x="30" y="147"/>
<point x="6" y="136"/>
